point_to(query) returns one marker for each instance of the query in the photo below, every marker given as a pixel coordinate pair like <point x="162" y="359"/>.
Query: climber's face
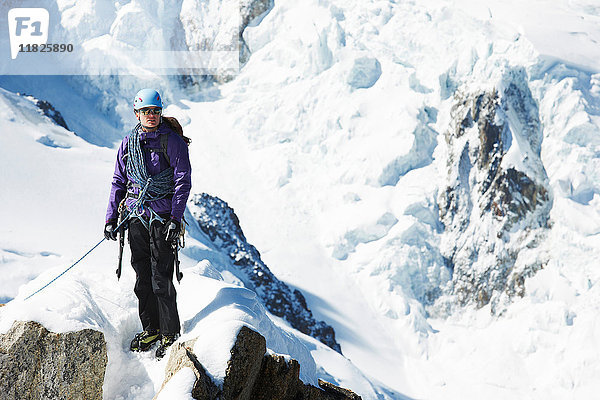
<point x="149" y="117"/>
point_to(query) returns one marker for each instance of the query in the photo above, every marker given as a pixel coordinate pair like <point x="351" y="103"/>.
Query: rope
<point x="155" y="187"/>
<point x="66" y="270"/>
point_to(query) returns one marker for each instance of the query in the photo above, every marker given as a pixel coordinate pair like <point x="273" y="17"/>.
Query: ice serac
<point x="365" y="73"/>
<point x="251" y="374"/>
<point x="219" y="25"/>
<point x="38" y="364"/>
<point x="252" y="12"/>
<point x="219" y="222"/>
<point x="496" y="203"/>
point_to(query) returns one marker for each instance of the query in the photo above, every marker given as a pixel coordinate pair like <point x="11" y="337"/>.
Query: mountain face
<point x="106" y="33"/>
<point x="219" y="222"/>
<point x="36" y="363"/>
<point x="440" y="158"/>
<point x="49" y="111"/>
<point x="496" y="204"/>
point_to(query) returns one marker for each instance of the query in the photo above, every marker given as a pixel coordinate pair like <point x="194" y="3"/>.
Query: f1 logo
<point x="27" y="26"/>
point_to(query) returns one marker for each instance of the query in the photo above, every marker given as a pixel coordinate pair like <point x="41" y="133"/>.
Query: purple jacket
<point x="177" y="151"/>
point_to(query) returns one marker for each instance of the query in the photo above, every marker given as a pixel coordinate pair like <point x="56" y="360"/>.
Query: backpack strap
<point x="164" y="142"/>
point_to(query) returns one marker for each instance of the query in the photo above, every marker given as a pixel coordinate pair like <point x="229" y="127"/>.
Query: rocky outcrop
<point x="496" y="203"/>
<point x="244" y="366"/>
<point x="38" y="364"/>
<point x="252" y="12"/>
<point x="219" y="222"/>
<point x="252" y="374"/>
<point x="48" y="110"/>
<point x="279" y="379"/>
<point x="182" y="356"/>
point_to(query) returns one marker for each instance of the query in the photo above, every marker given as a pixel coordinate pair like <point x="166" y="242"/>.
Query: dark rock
<point x="515" y="196"/>
<point x="219" y="222"/>
<point x="48" y="110"/>
<point x="244" y="365"/>
<point x="279" y="379"/>
<point x="252" y="375"/>
<point x="338" y="392"/>
<point x="182" y="356"/>
<point x="51" y="113"/>
<point x="252" y="11"/>
<point x="38" y="364"/>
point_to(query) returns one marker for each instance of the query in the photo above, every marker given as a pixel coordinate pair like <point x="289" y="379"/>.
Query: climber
<point x="150" y="188"/>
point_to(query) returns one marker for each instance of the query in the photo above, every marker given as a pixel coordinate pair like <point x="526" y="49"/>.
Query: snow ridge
<point x="219" y="222"/>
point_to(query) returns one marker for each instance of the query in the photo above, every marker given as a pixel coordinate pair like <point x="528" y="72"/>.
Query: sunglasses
<point x="151" y="111"/>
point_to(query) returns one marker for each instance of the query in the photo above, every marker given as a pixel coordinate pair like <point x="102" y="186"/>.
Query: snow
<point x="179" y="386"/>
<point x="365" y="72"/>
<point x="328" y="146"/>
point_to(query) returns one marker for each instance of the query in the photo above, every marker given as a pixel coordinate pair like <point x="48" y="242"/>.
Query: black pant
<point x="152" y="259"/>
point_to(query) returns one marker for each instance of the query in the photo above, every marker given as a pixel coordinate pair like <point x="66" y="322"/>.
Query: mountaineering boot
<point x="167" y="340"/>
<point x="144" y="340"/>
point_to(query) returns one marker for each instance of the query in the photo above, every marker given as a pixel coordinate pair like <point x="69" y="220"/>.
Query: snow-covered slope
<point x="218" y="221"/>
<point x="331" y="145"/>
<point x="347" y="172"/>
<point x="55" y="208"/>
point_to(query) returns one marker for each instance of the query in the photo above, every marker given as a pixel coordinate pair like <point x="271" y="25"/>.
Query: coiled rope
<point x="155" y="187"/>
